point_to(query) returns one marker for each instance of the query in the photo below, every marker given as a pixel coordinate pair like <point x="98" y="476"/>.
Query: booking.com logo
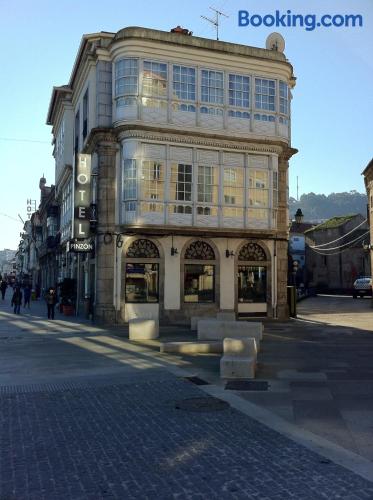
<point x="309" y="21"/>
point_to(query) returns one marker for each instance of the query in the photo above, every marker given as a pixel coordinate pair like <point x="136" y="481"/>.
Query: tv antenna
<point x="215" y="21"/>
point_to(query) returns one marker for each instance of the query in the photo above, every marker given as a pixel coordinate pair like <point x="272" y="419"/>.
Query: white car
<point x="362" y="286"/>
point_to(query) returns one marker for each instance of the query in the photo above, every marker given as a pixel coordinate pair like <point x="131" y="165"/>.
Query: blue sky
<point x="332" y="102"/>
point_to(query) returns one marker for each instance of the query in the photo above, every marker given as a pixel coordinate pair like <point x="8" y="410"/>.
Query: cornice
<point x="201" y="140"/>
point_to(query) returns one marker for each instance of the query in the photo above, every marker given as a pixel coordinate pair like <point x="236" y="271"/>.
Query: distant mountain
<point x="317" y="207"/>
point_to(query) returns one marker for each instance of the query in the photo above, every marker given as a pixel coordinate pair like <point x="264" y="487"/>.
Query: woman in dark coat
<point x="3" y="287"/>
<point x="17" y="300"/>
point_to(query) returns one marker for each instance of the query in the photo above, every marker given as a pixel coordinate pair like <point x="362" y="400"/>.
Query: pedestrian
<point x="17" y="300"/>
<point x="26" y="296"/>
<point x="51" y="300"/>
<point x="3" y="287"/>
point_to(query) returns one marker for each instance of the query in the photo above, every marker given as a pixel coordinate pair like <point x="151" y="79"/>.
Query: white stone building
<point x="190" y="142"/>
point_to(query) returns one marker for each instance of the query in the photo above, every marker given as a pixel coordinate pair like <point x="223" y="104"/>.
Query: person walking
<point x="3" y="287"/>
<point x="17" y="300"/>
<point x="51" y="300"/>
<point x="26" y="296"/>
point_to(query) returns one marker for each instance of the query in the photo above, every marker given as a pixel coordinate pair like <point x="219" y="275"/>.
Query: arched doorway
<point x="253" y="280"/>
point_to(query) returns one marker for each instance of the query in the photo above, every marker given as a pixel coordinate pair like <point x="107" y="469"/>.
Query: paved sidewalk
<point x="85" y="414"/>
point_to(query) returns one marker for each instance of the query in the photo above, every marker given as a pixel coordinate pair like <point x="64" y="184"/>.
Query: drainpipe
<point x="275" y="279"/>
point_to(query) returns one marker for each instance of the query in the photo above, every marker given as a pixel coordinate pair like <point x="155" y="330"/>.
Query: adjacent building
<point x="335" y="253"/>
<point x="188" y="142"/>
<point x="368" y="179"/>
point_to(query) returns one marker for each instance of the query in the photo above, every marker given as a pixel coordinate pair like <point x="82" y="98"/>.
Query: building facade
<point x="189" y="141"/>
<point x="368" y="180"/>
<point x="339" y="257"/>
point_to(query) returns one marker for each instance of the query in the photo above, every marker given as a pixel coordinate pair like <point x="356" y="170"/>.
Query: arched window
<point x="252" y="277"/>
<point x="199" y="277"/>
<point x="144" y="249"/>
<point x="142" y="272"/>
<point x="252" y="251"/>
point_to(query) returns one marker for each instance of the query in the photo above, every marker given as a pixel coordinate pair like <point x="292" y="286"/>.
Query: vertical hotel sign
<point x="82" y="197"/>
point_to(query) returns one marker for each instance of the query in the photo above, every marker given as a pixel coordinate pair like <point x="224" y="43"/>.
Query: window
<point x="284" y="98"/>
<point x="52" y="226"/>
<point x="265" y="92"/>
<point x="238" y="114"/>
<point x="207" y="184"/>
<point x="142" y="282"/>
<point x="184" y="107"/>
<point x="212" y="89"/>
<point x="233" y="186"/>
<point x="126" y="78"/>
<point x="152" y="180"/>
<point x="85" y="114"/>
<point x="275" y="189"/>
<point x="258" y="188"/>
<point x="129" y="180"/>
<point x="154" y="79"/>
<point x="184" y="83"/>
<point x="239" y="91"/>
<point x="199" y="283"/>
<point x="181" y="182"/>
<point x="211" y="111"/>
<point x="283" y="120"/>
<point x="252" y="284"/>
<point x="77" y="132"/>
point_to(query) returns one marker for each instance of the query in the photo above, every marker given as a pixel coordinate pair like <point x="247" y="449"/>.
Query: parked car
<point x="362" y="286"/>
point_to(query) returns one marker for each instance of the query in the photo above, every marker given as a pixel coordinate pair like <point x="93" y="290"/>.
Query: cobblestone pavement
<point x="129" y="441"/>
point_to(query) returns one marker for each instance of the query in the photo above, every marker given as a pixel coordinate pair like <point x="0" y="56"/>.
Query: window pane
<point x="154" y="79"/>
<point x="252" y="284"/>
<point x="184" y="86"/>
<point x="152" y="180"/>
<point x="141" y="282"/>
<point x="212" y="89"/>
<point x="126" y="77"/>
<point x="199" y="283"/>
<point x="265" y="92"/>
<point x="129" y="180"/>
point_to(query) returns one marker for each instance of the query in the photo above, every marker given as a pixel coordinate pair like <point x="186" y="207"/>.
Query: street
<point x="86" y="414"/>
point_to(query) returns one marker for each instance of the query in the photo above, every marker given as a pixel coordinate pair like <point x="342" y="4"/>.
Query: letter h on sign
<point x="82" y="197"/>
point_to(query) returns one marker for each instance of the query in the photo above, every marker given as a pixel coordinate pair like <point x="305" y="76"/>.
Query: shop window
<point x="199" y="278"/>
<point x="199" y="281"/>
<point x="142" y="282"/>
<point x="252" y="284"/>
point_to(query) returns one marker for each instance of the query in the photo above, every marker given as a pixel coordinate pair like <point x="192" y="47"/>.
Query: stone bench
<point x="239" y="360"/>
<point x="208" y="347"/>
<point x="143" y="329"/>
<point x="221" y="316"/>
<point x="219" y="330"/>
<point x="194" y="321"/>
<point x="226" y="316"/>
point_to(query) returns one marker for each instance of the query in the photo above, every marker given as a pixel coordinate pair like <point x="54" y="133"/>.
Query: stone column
<point x="105" y="241"/>
<point x="282" y="246"/>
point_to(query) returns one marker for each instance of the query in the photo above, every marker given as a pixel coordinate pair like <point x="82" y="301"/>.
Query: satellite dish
<point x="275" y="41"/>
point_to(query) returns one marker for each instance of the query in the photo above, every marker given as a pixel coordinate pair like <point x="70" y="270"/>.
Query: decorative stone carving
<point x="252" y="252"/>
<point x="199" y="250"/>
<point x="142" y="249"/>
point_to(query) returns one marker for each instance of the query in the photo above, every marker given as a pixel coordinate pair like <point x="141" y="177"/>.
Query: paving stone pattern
<point x="129" y="441"/>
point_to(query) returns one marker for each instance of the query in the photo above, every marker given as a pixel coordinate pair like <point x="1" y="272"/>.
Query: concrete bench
<point x="143" y="329"/>
<point x="208" y="347"/>
<point x="194" y="321"/>
<point x="239" y="360"/>
<point x="226" y="316"/>
<point x="219" y="330"/>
